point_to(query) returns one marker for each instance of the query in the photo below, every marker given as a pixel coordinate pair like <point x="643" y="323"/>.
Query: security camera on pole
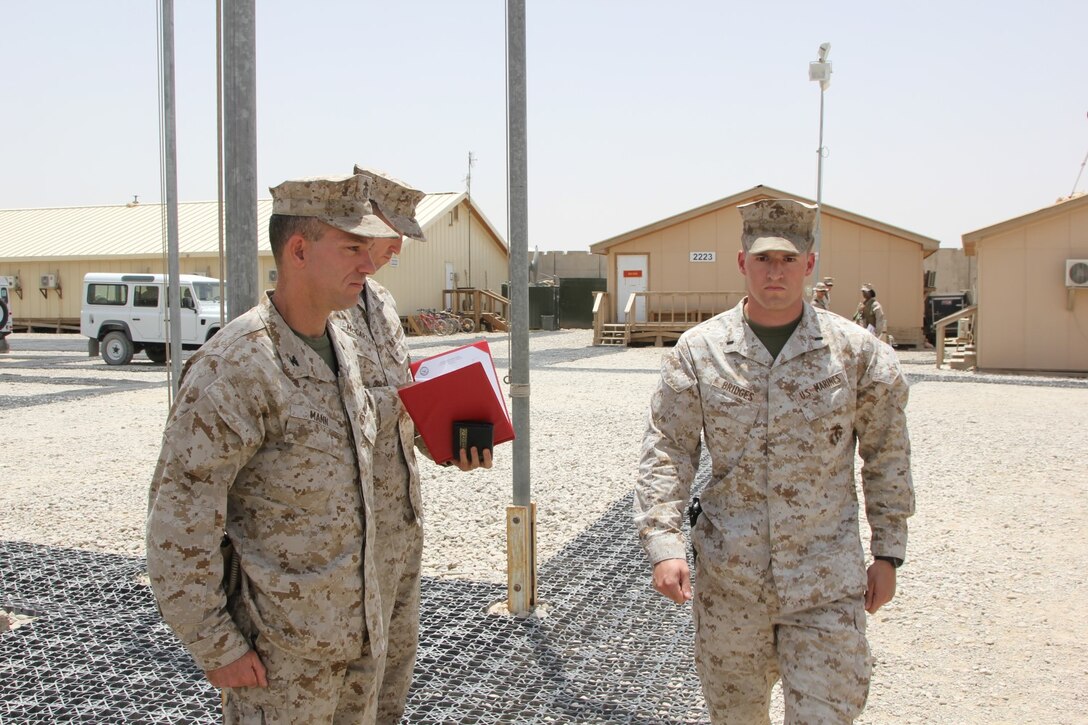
<point x="819" y="70"/>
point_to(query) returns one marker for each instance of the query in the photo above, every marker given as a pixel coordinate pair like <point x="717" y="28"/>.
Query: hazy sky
<point x="942" y="117"/>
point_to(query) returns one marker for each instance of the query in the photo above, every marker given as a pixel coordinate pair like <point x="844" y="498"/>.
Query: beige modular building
<point x="49" y="251"/>
<point x="1033" y="290"/>
<point x="673" y="273"/>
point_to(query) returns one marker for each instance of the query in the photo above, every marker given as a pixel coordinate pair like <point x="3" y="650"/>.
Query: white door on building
<point x="632" y="275"/>
<point x="451" y="282"/>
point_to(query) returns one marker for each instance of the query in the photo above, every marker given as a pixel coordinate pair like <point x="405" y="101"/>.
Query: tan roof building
<point x="678" y="271"/>
<point x="49" y="251"/>
<point x="1032" y="311"/>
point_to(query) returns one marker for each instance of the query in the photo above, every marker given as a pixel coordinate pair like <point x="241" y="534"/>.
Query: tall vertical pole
<point x="222" y="274"/>
<point x="170" y="184"/>
<point x="820" y="71"/>
<point x="240" y="153"/>
<point x="521" y="538"/>
<point x="468" y="195"/>
<point x="819" y="191"/>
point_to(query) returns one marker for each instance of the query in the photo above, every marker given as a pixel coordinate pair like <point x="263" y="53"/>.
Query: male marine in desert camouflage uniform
<point x="270" y="442"/>
<point x="781" y="394"/>
<point x="383" y="364"/>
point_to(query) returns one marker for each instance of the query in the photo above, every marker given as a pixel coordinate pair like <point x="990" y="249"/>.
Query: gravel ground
<point x="986" y="624"/>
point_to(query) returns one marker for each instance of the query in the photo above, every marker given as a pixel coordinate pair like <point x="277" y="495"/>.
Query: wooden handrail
<point x="940" y="325"/>
<point x="602" y="314"/>
<point x="679" y="307"/>
<point x="663" y="308"/>
<point x="481" y="301"/>
<point x="598" y="297"/>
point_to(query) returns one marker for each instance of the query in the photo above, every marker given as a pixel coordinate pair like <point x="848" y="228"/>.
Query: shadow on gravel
<point x="91" y="387"/>
<point x="609" y="649"/>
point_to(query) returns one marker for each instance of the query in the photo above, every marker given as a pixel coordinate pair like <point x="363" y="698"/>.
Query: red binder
<point x="444" y="392"/>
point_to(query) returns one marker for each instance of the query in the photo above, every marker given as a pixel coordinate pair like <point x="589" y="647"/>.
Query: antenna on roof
<point x="1082" y="163"/>
<point x="468" y="177"/>
<point x="135" y="201"/>
<point x="468" y="194"/>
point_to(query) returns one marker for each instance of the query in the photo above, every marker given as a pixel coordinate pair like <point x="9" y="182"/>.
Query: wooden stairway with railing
<point x="495" y="321"/>
<point x="486" y="309"/>
<point x="612" y="334"/>
<point x="964" y="355"/>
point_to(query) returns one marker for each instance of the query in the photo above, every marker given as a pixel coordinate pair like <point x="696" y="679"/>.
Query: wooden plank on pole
<point x="521" y="558"/>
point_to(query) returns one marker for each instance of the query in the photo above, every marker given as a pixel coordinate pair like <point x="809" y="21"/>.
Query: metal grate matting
<point x="610" y="650"/>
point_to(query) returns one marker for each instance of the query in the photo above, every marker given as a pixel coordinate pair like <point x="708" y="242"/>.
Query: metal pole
<point x="219" y="160"/>
<point x="819" y="190"/>
<point x="521" y="538"/>
<point x="519" y="246"/>
<point x="240" y="153"/>
<point x="468" y="194"/>
<point x="170" y="178"/>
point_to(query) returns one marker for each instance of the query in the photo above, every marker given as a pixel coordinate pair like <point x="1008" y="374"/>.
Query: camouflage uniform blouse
<point x="266" y="443"/>
<point x="383" y="364"/>
<point x="781" y="436"/>
<point x="871" y="313"/>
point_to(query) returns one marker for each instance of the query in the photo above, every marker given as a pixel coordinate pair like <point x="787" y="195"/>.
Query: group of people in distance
<point x="869" y="314"/>
<point x="284" y="533"/>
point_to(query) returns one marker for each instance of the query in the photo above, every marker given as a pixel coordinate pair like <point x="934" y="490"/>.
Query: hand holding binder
<point x="454" y="386"/>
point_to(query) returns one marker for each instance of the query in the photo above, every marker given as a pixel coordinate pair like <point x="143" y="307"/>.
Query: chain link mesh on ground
<point x="608" y="649"/>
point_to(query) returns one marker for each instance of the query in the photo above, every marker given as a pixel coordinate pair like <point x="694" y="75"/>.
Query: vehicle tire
<point x="117" y="349"/>
<point x="211" y="333"/>
<point x="156" y="353"/>
<point x="4" y="314"/>
<point x="468" y="324"/>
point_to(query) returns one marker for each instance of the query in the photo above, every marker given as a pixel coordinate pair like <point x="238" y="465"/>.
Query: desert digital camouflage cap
<point x="396" y="200"/>
<point x="339" y="201"/>
<point x="781" y="225"/>
<point x="821" y="287"/>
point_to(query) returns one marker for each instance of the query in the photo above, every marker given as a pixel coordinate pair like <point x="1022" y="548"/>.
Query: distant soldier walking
<point x="870" y="314"/>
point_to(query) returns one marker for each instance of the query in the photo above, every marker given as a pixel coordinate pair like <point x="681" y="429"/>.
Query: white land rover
<point x="129" y="313"/>
<point x="6" y="285"/>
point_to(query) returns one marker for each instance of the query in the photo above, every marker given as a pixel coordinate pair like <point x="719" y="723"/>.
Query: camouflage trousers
<point x="744" y="644"/>
<point x="399" y="555"/>
<point x="305" y="691"/>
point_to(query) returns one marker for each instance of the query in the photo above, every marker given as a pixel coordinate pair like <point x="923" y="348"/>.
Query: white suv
<point x="6" y="283"/>
<point x="128" y="313"/>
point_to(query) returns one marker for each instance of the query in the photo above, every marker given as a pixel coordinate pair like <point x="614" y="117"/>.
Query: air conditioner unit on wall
<point x="1076" y="273"/>
<point x="48" y="281"/>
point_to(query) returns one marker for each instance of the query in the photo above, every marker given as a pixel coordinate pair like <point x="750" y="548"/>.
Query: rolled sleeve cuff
<point x="891" y="546"/>
<point x="666" y="546"/>
<point x="219" y="650"/>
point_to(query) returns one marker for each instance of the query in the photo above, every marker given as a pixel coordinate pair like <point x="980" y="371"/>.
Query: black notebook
<point x="467" y="433"/>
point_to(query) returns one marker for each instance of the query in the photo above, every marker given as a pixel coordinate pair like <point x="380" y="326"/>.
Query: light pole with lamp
<point x="820" y="70"/>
